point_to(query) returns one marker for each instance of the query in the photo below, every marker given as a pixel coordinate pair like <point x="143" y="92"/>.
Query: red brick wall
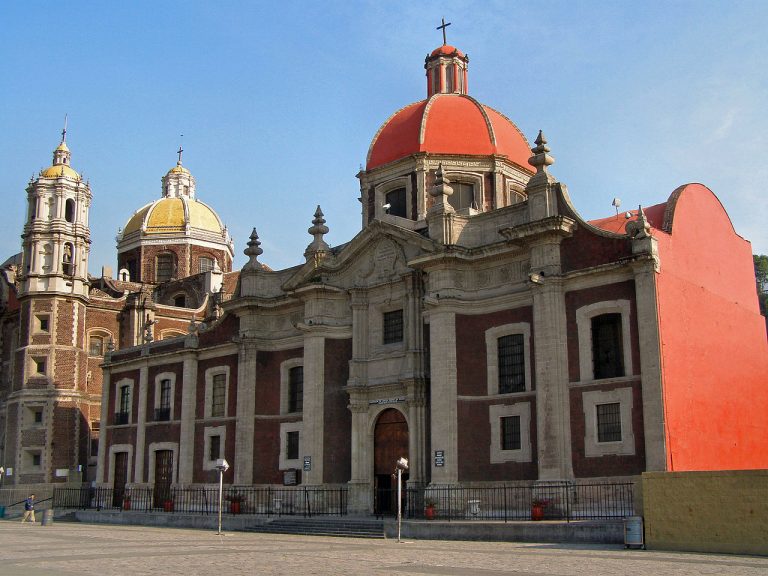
<point x="586" y="249"/>
<point x="475" y="441"/>
<point x="584" y="467"/>
<point x="337" y="426"/>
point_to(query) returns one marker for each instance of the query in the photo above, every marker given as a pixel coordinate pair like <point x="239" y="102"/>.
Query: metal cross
<point x="444" y="26"/>
<point x="179" y="151"/>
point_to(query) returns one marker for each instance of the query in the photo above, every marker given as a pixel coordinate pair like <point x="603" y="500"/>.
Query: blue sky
<point x="278" y="102"/>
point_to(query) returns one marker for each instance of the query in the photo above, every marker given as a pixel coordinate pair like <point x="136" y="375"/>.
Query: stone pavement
<point x="106" y="550"/>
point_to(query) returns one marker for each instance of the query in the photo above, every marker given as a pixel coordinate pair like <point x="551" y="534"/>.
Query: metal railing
<point x="236" y="500"/>
<point x="553" y="500"/>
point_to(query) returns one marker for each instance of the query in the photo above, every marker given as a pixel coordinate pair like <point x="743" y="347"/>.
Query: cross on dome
<point x="443" y="26"/>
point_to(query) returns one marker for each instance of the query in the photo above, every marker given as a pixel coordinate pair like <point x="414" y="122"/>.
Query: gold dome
<point x="178" y="169"/>
<point x="172" y="215"/>
<point x="58" y="170"/>
<point x="63" y="147"/>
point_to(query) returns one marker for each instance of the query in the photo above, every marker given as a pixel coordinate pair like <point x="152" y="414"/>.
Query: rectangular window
<point x="163" y="412"/>
<point x="510" y="433"/>
<point x="214" y="452"/>
<point x="164" y="267"/>
<point x="393" y="327"/>
<point x="121" y="417"/>
<point x="36" y="460"/>
<point x="218" y="395"/>
<point x="94" y="446"/>
<point x="607" y="354"/>
<point x="42" y="321"/>
<point x="449" y="78"/>
<point x="511" y="353"/>
<point x="296" y="389"/>
<point x="40" y="366"/>
<point x="292" y="445"/>
<point x="609" y="422"/>
<point x="38" y="416"/>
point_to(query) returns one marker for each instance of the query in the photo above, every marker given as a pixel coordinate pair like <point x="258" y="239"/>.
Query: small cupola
<point x="446" y="69"/>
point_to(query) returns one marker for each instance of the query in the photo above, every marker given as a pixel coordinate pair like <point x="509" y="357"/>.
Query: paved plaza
<point x="103" y="550"/>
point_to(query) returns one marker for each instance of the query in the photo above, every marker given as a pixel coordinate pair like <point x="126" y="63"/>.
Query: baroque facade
<point x="476" y="325"/>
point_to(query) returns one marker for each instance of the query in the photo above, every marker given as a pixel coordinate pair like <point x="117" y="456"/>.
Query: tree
<point x="761" y="277"/>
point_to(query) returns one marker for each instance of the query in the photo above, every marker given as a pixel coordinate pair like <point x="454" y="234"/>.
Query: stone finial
<point x="110" y="345"/>
<point x="318" y="230"/>
<point x="442" y="185"/>
<point x="148" y="323"/>
<point x="541" y="158"/>
<point x="253" y="252"/>
<point x="639" y="228"/>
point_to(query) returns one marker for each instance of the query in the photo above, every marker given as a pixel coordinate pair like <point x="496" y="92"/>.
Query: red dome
<point x="447" y="50"/>
<point x="448" y="124"/>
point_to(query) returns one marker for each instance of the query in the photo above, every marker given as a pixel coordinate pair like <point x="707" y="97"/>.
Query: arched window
<point x="206" y="263"/>
<point x="95" y="345"/>
<point x="463" y="196"/>
<point x="180" y="301"/>
<point x="395" y="199"/>
<point x="449" y="78"/>
<point x="69" y="210"/>
<point x="165" y="267"/>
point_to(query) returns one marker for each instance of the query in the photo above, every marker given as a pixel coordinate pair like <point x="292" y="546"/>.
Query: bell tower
<point x="50" y="382"/>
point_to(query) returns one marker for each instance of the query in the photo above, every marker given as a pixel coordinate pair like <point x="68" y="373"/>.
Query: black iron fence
<point x="542" y="501"/>
<point x="246" y="500"/>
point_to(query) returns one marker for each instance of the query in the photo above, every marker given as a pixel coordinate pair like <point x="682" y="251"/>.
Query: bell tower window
<point x="69" y="210"/>
<point x="66" y="260"/>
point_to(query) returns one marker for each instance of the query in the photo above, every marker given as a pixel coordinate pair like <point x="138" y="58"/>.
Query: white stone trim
<point x="498" y="411"/>
<point x="492" y="336"/>
<point x="209" y="374"/>
<point x="114" y="449"/>
<point x="209" y="431"/>
<point x="156" y="447"/>
<point x="158" y="379"/>
<point x="286" y="427"/>
<point x="285" y="369"/>
<point x="590" y="400"/>
<point x="584" y="317"/>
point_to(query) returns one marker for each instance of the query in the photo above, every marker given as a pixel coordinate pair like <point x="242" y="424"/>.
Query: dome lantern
<point x="446" y="68"/>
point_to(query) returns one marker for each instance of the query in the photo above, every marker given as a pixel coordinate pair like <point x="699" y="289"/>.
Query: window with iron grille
<point x="206" y="264"/>
<point x="121" y="417"/>
<point x="292" y="445"/>
<point x="511" y="364"/>
<point x="296" y="389"/>
<point x="164" y="267"/>
<point x="214" y="451"/>
<point x="393" y="327"/>
<point x="609" y="422"/>
<point x="163" y="412"/>
<point x="510" y="433"/>
<point x="218" y="395"/>
<point x="607" y="353"/>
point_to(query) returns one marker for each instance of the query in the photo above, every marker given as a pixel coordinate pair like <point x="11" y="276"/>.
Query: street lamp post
<point x="222" y="466"/>
<point x="401" y="464"/>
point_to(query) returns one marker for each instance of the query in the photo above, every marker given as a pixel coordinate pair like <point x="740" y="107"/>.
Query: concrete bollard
<point x="47" y="517"/>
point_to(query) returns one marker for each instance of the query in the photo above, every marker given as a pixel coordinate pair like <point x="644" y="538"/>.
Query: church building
<point x="476" y="325"/>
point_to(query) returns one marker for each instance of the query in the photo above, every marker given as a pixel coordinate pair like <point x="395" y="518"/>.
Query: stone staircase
<point x="342" y="527"/>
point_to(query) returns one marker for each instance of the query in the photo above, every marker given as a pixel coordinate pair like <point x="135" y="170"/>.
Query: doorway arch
<point x="390" y="442"/>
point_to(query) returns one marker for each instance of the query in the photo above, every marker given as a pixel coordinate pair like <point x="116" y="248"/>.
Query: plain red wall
<point x="713" y="340"/>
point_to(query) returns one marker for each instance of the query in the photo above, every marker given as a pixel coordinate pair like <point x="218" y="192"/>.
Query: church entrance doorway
<point x="163" y="478"/>
<point x="390" y="442"/>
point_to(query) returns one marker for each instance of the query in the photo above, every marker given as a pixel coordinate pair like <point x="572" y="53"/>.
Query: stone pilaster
<point x="417" y="433"/>
<point x="553" y="422"/>
<point x="362" y="460"/>
<point x="101" y="458"/>
<point x="187" y="428"/>
<point x="314" y="405"/>
<point x="444" y="395"/>
<point x="245" y="412"/>
<point x="141" y="426"/>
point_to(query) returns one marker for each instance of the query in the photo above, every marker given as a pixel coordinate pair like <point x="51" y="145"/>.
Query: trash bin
<point x="2" y="511"/>
<point x="473" y="507"/>
<point x="633" y="531"/>
<point x="47" y="517"/>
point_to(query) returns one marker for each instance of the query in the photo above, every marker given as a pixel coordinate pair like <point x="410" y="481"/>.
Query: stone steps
<point x="321" y="527"/>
